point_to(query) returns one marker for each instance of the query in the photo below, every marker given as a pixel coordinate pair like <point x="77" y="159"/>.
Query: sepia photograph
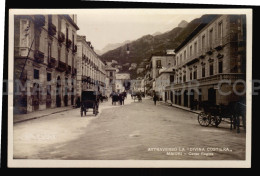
<point x="129" y="87"/>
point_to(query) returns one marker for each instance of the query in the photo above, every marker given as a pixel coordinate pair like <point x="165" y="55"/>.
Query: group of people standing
<point x="118" y="97"/>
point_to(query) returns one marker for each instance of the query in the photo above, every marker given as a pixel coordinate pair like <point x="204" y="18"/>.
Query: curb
<point x="168" y="104"/>
<point x="24" y="120"/>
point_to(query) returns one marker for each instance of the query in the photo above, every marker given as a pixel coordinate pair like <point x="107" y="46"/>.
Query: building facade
<point x="214" y="53"/>
<point x="44" y="61"/>
<point x="91" y="70"/>
<point x="111" y="79"/>
<point x="122" y="81"/>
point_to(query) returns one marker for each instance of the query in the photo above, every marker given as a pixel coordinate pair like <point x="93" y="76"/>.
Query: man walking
<point x="154" y="98"/>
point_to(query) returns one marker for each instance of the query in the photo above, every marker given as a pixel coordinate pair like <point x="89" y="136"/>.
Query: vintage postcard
<point x="130" y="88"/>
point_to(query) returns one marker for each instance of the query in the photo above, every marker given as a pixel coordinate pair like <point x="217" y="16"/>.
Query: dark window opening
<point x="48" y="76"/>
<point x="36" y="74"/>
<point x="203" y="72"/>
<point x="211" y="70"/>
<point x="220" y="67"/>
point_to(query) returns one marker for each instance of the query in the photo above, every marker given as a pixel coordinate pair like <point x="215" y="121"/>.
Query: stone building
<point x="122" y="81"/>
<point x="44" y="61"/>
<point x="91" y="70"/>
<point x="214" y="52"/>
<point x="111" y="79"/>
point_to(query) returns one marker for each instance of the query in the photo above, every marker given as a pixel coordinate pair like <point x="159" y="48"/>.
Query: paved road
<point x="136" y="130"/>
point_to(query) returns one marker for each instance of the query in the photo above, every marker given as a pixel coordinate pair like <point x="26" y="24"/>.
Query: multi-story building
<point x="165" y="78"/>
<point x="214" y="52"/>
<point x="91" y="70"/>
<point x="44" y="61"/>
<point x="111" y="75"/>
<point x="122" y="82"/>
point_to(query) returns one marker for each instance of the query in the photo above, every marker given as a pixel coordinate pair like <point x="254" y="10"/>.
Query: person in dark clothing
<point x="120" y="98"/>
<point x="78" y="102"/>
<point x="154" y="98"/>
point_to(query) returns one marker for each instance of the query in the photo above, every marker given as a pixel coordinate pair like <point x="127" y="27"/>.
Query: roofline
<point x="199" y="28"/>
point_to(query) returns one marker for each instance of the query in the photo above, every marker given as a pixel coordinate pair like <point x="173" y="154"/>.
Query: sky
<point x="104" y="26"/>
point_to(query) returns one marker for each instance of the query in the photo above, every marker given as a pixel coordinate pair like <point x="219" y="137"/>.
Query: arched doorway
<point x="192" y="99"/>
<point x="179" y="97"/>
<point x="58" y="92"/>
<point x="186" y="98"/>
<point x="212" y="95"/>
<point x="171" y="95"/>
<point x="35" y="96"/>
<point x="66" y="92"/>
<point x="72" y="92"/>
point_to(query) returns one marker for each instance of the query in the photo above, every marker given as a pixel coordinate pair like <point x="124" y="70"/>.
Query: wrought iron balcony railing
<point x="68" y="70"/>
<point x="52" y="29"/>
<point x="61" y="37"/>
<point x="39" y="56"/>
<point x="61" y="66"/>
<point x="52" y="62"/>
<point x="68" y="43"/>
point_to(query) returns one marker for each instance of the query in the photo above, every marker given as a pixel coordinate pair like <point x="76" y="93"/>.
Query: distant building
<point x="111" y="75"/>
<point x="122" y="81"/>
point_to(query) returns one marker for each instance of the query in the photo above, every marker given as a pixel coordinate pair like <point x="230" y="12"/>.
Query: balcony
<point x="68" y="43"/>
<point x="39" y="56"/>
<point x="52" y="62"/>
<point x="52" y="29"/>
<point x="61" y="37"/>
<point x="39" y="20"/>
<point x="202" y="52"/>
<point x="61" y="66"/>
<point x="68" y="70"/>
<point x="209" y="50"/>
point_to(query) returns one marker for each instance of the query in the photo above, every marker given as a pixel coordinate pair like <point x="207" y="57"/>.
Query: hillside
<point x="147" y="45"/>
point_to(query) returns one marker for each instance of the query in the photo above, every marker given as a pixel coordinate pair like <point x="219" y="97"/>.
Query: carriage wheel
<point x="215" y="120"/>
<point x="203" y="119"/>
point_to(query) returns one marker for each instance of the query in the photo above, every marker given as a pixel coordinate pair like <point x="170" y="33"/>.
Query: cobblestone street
<point x="137" y="130"/>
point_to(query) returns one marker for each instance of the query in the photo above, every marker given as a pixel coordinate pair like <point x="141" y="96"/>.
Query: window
<point x="195" y="74"/>
<point x="171" y="78"/>
<point x="48" y="76"/>
<point x="36" y="74"/>
<point x="190" y="50"/>
<point x="110" y="73"/>
<point x="211" y="69"/>
<point x="220" y="30"/>
<point x="195" y="47"/>
<point x="49" y="52"/>
<point x="203" y="71"/>
<point x="210" y="38"/>
<point x="220" y="67"/>
<point x="180" y="58"/>
<point x="48" y="89"/>
<point x="190" y="75"/>
<point x="158" y="64"/>
<point x="184" y="78"/>
<point x="184" y="55"/>
<point x="110" y="80"/>
<point x="203" y="42"/>
<point x="59" y="50"/>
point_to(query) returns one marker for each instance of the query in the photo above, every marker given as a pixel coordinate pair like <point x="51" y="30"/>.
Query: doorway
<point x="58" y="92"/>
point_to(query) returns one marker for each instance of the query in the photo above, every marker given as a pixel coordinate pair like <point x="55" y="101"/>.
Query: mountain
<point x="183" y="24"/>
<point x="111" y="46"/>
<point x="142" y="48"/>
<point x="156" y="33"/>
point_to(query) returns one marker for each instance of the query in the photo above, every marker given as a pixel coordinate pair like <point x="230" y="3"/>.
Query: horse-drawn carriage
<point x="213" y="114"/>
<point x="89" y="100"/>
<point x="137" y="96"/>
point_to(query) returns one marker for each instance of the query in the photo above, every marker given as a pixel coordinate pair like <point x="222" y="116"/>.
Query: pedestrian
<point x="78" y="102"/>
<point x="154" y="98"/>
<point x="120" y="98"/>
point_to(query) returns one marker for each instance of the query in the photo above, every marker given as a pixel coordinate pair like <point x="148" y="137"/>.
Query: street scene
<point x="130" y="88"/>
<point x="123" y="132"/>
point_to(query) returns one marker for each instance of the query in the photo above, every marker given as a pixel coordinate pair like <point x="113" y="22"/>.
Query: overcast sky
<point x="104" y="26"/>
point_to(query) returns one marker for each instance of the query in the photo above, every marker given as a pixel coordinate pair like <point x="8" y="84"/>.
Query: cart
<point x="89" y="100"/>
